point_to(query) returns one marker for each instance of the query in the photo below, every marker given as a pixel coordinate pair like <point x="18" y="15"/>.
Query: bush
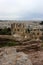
<point x="11" y="43"/>
<point x="8" y="43"/>
<point x="5" y="31"/>
<point x="41" y="23"/>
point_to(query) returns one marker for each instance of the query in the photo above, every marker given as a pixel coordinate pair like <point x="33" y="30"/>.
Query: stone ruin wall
<point x="20" y="29"/>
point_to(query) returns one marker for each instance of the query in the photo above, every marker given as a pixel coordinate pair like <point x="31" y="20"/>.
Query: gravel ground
<point x="36" y="57"/>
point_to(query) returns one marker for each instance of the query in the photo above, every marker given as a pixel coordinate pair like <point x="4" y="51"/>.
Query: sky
<point x="21" y="9"/>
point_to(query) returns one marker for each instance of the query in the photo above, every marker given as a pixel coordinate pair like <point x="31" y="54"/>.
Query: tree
<point x="5" y="31"/>
<point x="41" y="23"/>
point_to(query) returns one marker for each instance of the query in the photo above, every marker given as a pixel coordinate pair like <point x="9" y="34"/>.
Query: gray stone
<point x="9" y="56"/>
<point x="23" y="59"/>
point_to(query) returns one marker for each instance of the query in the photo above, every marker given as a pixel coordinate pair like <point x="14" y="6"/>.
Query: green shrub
<point x="8" y="43"/>
<point x="11" y="43"/>
<point x="5" y="31"/>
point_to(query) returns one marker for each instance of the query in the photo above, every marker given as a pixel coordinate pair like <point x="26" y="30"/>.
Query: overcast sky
<point x="21" y="9"/>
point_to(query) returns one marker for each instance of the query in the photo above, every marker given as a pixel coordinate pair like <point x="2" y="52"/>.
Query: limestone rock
<point x="23" y="59"/>
<point x="9" y="56"/>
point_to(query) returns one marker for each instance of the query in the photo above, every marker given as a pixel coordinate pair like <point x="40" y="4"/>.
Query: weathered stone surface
<point x="9" y="56"/>
<point x="23" y="59"/>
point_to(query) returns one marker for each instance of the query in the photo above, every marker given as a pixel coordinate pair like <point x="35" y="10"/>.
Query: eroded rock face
<point x="9" y="56"/>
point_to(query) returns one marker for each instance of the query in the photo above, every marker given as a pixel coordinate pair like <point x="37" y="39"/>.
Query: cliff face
<point x="9" y="56"/>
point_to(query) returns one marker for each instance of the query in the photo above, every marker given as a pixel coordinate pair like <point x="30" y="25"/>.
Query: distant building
<point x="5" y="25"/>
<point x="19" y="30"/>
<point x="37" y="31"/>
<point x="22" y="30"/>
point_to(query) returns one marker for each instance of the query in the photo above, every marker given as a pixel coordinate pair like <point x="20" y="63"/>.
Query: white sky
<point x="21" y="9"/>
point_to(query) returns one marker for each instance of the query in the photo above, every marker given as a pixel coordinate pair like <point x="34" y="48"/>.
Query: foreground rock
<point x="9" y="56"/>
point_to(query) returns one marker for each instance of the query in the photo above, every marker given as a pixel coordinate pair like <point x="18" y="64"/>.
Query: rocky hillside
<point x="9" y="56"/>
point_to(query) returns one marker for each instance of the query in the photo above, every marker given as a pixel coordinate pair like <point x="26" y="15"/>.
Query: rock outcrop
<point x="9" y="56"/>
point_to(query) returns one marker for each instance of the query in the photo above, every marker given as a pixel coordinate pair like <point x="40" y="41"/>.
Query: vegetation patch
<point x="8" y="43"/>
<point x="5" y="31"/>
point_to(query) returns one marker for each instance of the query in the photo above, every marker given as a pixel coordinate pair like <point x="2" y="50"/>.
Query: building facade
<point x="31" y="31"/>
<point x="19" y="29"/>
<point x="36" y="32"/>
